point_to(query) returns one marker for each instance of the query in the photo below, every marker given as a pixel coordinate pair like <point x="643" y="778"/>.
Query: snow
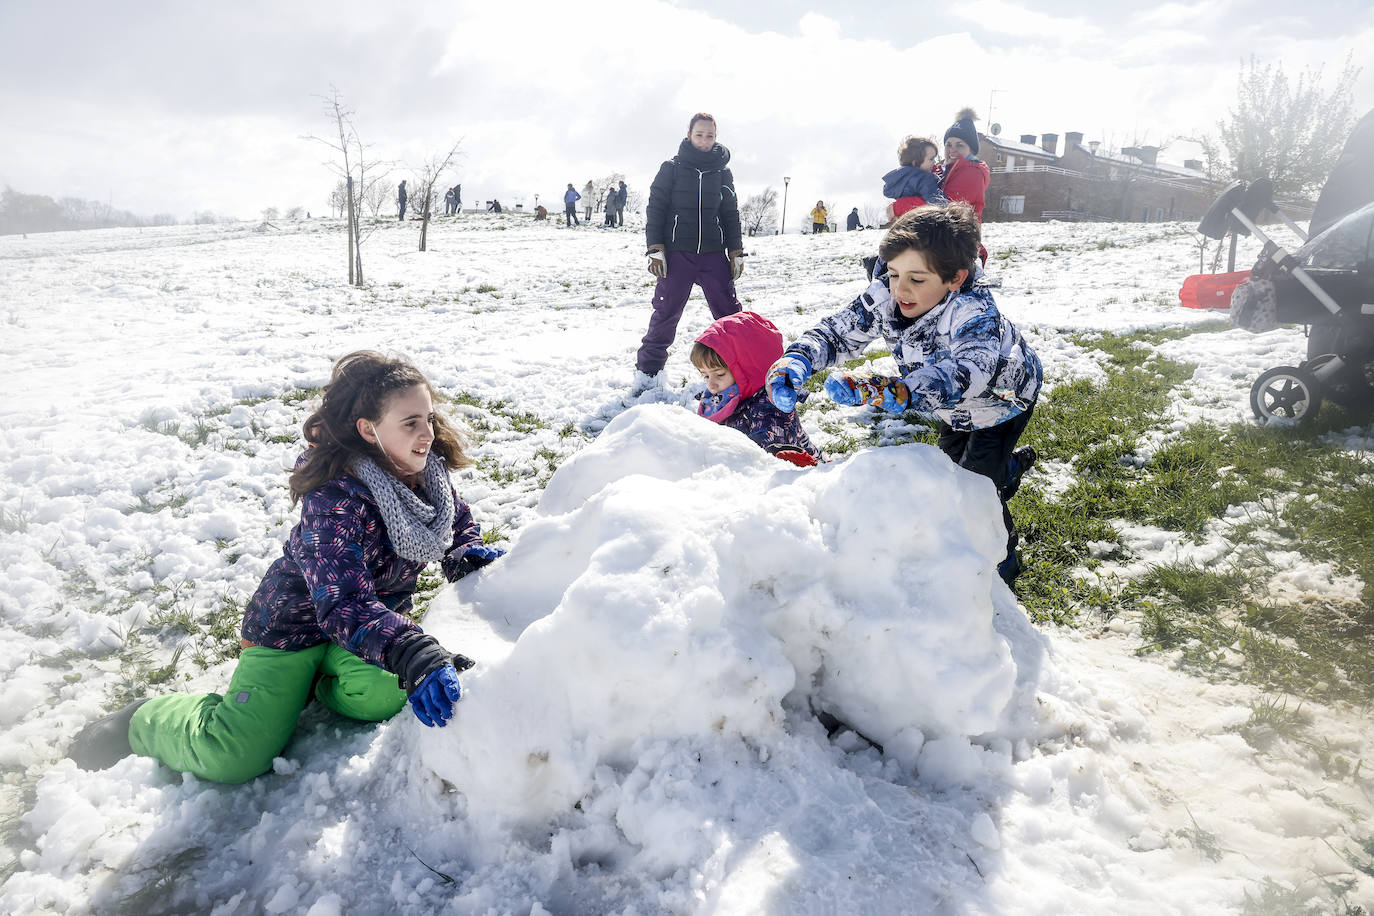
<point x="640" y="734"/>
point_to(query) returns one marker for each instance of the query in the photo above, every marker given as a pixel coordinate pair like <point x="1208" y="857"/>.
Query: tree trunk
<point x="351" y="249"/>
<point x="424" y="224"/>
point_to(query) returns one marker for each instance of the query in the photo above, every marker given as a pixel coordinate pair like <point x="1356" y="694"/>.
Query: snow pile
<point x="695" y="584"/>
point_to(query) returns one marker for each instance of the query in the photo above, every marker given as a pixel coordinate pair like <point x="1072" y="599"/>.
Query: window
<point x="1014" y="205"/>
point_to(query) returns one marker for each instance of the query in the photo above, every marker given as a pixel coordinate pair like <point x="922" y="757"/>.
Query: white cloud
<point x="195" y="108"/>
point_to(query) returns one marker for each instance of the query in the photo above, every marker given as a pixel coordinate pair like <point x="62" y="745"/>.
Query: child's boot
<point x="643" y="382"/>
<point x="104" y="742"/>
<point x="1022" y="460"/>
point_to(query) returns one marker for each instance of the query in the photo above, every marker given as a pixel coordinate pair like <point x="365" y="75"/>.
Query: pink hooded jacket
<point x="749" y="344"/>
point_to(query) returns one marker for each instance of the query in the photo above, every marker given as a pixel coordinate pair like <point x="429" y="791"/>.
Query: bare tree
<point x="358" y="172"/>
<point x="425" y="191"/>
<point x="873" y="215"/>
<point x="338" y="199"/>
<point x="760" y="212"/>
<point x="295" y="212"/>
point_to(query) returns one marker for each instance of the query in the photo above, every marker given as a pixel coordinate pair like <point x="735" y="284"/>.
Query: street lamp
<point x="785" y="182"/>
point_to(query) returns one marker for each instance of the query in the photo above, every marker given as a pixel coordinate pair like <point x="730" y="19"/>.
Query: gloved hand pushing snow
<point x="474" y="558"/>
<point x="429" y="676"/>
<point x="785" y="378"/>
<point x="887" y="392"/>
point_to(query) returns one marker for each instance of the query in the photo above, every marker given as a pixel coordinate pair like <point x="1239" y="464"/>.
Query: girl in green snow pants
<point x="329" y="617"/>
<point x="234" y="738"/>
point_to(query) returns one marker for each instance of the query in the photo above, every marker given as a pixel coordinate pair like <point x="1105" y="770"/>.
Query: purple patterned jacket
<point x="339" y="580"/>
<point x="776" y="432"/>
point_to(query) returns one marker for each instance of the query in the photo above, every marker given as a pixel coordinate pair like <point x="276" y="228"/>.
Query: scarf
<point x="718" y="407"/>
<point x="419" y="530"/>
<point x="717" y="157"/>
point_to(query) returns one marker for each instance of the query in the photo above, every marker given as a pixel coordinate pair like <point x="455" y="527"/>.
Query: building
<point x="1085" y="182"/>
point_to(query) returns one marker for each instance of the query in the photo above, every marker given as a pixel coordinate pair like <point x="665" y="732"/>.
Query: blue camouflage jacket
<point x="964" y="362"/>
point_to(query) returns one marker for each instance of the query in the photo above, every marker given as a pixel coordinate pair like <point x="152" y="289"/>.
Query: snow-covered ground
<point x="640" y="734"/>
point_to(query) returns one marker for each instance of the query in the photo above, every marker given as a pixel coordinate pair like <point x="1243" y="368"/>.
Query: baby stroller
<point x="1327" y="285"/>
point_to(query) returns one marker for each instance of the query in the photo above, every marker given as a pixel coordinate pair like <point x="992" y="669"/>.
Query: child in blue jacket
<point x="914" y="182"/>
<point x="961" y="360"/>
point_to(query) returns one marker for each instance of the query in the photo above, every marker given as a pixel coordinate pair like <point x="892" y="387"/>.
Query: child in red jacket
<point x="733" y="355"/>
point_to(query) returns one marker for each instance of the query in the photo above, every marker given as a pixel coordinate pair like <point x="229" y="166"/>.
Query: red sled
<point x="1211" y="291"/>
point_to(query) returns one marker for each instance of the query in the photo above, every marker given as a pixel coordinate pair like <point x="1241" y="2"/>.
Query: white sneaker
<point x="643" y="382"/>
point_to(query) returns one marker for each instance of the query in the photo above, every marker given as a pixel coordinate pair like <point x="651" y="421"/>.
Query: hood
<point x="749" y="344"/>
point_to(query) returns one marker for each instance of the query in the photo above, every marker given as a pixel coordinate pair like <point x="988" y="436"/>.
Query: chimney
<point x="1194" y="164"/>
<point x="1048" y="142"/>
<point x="1071" y="139"/>
<point x="1147" y="154"/>
<point x="1028" y="139"/>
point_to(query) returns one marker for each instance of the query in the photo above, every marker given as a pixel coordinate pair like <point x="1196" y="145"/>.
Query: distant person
<point x="693" y="233"/>
<point x="914" y="182"/>
<point x="401" y="202"/>
<point x="852" y="221"/>
<point x="541" y="212"/>
<point x="611" y="198"/>
<point x="570" y="199"/>
<point x="589" y="199"/>
<point x="621" y="195"/>
<point x="329" y="622"/>
<point x="448" y="202"/>
<point x="457" y="198"/>
<point x="963" y="176"/>
<point x="961" y="360"/>
<point x="495" y="206"/>
<point x="820" y="220"/>
<point x="733" y="356"/>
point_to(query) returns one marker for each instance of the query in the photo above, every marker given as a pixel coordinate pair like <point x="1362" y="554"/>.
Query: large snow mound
<point x="688" y="587"/>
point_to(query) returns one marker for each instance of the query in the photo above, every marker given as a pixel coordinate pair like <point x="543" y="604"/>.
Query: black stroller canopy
<point x="1348" y="245"/>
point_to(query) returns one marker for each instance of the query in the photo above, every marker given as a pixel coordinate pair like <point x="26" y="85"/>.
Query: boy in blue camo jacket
<point x="961" y="360"/>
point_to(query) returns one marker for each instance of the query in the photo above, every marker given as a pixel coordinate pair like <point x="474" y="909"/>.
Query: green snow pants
<point x="233" y="738"/>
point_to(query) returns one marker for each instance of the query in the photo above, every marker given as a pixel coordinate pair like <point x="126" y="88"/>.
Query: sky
<point x="161" y="107"/>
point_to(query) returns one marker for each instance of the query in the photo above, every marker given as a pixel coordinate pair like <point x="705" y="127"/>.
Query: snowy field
<point x="640" y="735"/>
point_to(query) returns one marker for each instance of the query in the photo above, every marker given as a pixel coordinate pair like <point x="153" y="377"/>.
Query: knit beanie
<point x="963" y="129"/>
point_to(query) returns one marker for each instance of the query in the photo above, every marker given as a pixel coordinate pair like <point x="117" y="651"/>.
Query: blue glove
<point x="840" y="389"/>
<point x="785" y="377"/>
<point x="896" y="399"/>
<point x="480" y="555"/>
<point x="433" y="700"/>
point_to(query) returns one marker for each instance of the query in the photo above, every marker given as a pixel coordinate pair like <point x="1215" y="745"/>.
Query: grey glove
<point x="736" y="264"/>
<point x="658" y="261"/>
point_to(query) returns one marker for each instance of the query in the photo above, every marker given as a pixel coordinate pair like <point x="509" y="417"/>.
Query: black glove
<point x="416" y="655"/>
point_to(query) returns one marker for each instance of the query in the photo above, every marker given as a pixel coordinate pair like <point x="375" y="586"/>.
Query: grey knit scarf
<point x="419" y="530"/>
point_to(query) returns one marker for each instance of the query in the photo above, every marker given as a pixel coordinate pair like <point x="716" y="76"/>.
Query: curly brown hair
<point x="912" y="150"/>
<point x="360" y="386"/>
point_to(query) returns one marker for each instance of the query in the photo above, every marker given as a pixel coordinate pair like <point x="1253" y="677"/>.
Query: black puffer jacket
<point x="692" y="203"/>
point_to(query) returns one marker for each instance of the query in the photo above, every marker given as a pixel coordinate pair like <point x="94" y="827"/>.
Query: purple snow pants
<point x="710" y="271"/>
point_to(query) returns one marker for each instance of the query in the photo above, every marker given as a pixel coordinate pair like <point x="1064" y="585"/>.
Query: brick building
<point x="1085" y="182"/>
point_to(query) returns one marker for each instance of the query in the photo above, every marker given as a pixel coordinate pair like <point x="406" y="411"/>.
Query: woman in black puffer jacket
<point x="694" y="239"/>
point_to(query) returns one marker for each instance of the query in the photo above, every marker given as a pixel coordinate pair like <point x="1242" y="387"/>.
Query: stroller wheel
<point x="1285" y="392"/>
